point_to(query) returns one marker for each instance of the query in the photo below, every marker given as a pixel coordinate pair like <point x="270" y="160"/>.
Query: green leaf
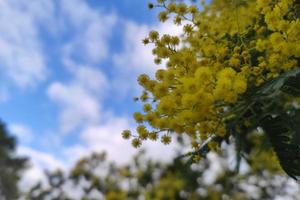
<point x="290" y="79"/>
<point x="284" y="134"/>
<point x="292" y="85"/>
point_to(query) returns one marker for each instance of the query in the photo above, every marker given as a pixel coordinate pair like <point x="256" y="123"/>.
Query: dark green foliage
<point x="10" y="166"/>
<point x="292" y="85"/>
<point x="271" y="106"/>
<point x="284" y="134"/>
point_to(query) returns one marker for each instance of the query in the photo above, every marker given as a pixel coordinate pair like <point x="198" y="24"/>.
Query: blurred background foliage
<point x="11" y="165"/>
<point x="94" y="177"/>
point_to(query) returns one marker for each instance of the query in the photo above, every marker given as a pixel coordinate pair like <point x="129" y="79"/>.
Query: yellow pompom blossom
<point x="136" y="142"/>
<point x="126" y="134"/>
<point x="225" y="48"/>
<point x="166" y="139"/>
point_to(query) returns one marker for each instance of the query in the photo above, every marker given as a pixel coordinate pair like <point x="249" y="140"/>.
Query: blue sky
<point x="68" y="76"/>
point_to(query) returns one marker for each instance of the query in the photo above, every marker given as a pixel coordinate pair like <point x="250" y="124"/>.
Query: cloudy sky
<point x="68" y="76"/>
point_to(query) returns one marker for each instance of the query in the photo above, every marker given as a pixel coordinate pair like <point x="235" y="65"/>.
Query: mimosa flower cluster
<point x="226" y="48"/>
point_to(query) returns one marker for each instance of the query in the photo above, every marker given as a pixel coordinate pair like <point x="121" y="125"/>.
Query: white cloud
<point x="92" y="79"/>
<point x="22" y="60"/>
<point x="92" y="29"/>
<point x="137" y="58"/>
<point x="87" y="76"/>
<point x="74" y="97"/>
<point x="39" y="162"/>
<point x="88" y="44"/>
<point x="79" y="99"/>
<point x="42" y="159"/>
<point x="107" y="137"/>
<point x="22" y="132"/>
<point x="73" y="153"/>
